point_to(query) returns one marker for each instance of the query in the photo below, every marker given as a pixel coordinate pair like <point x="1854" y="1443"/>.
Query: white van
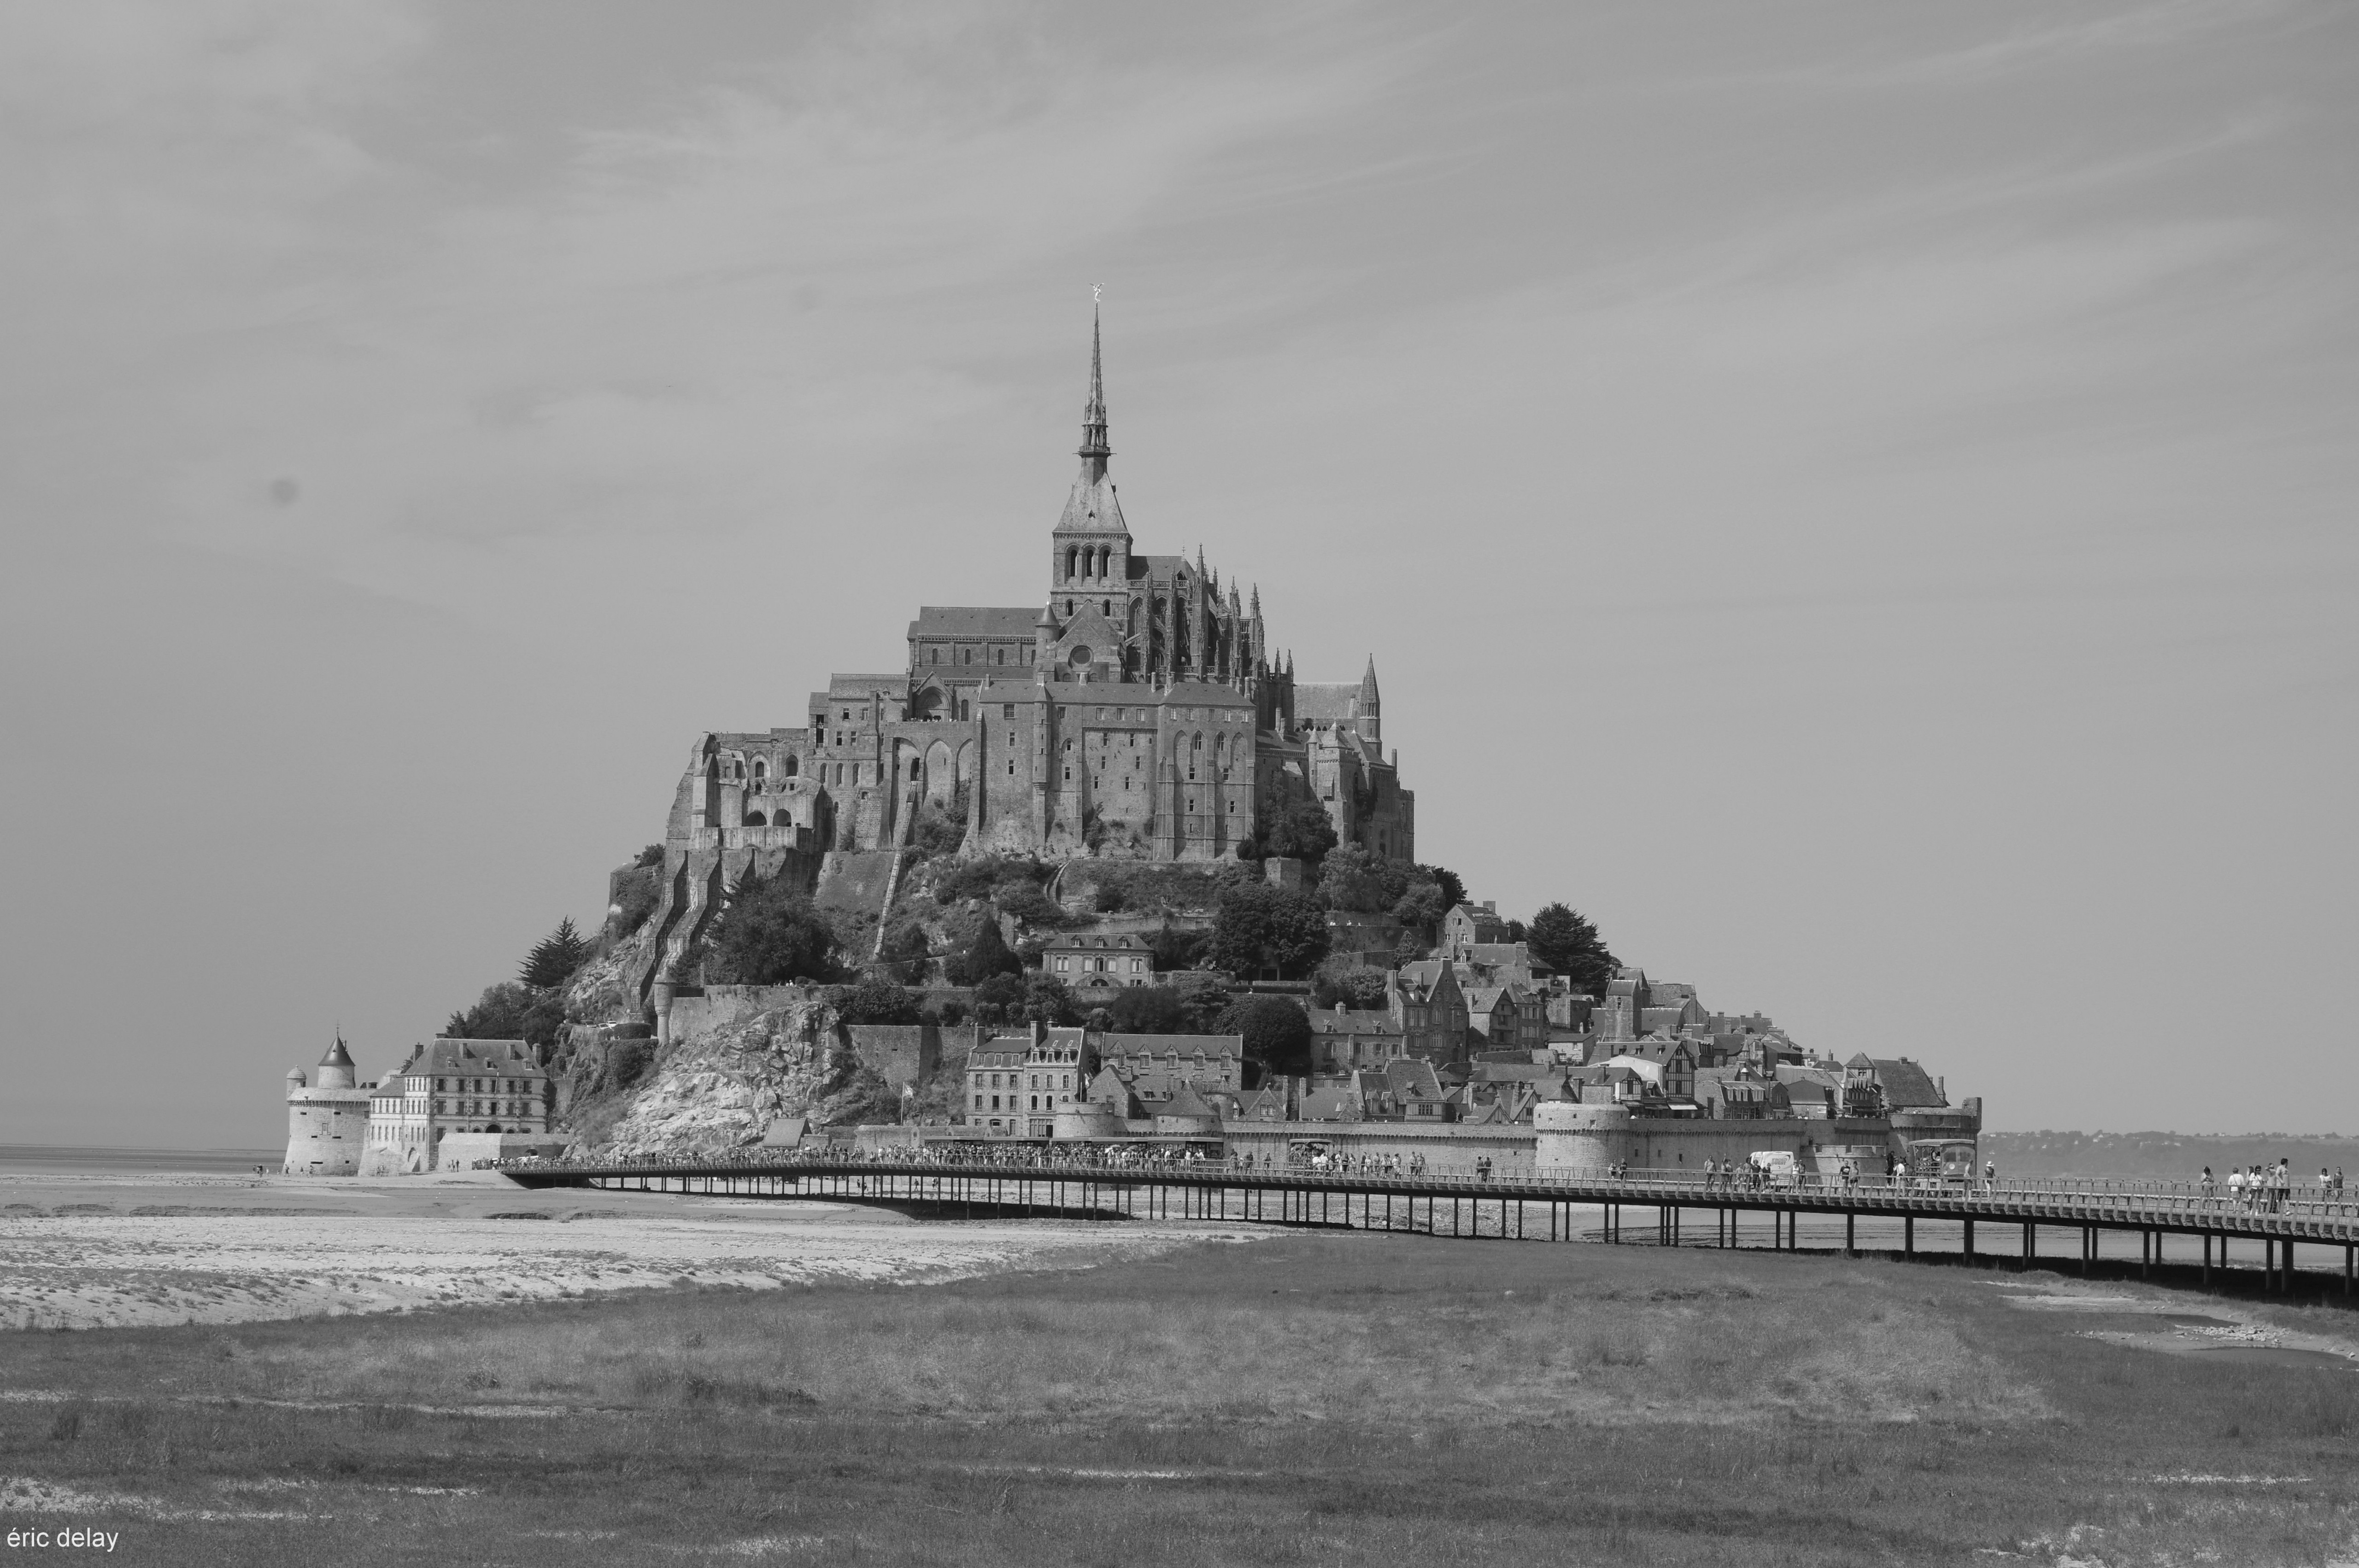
<point x="1774" y="1168"/>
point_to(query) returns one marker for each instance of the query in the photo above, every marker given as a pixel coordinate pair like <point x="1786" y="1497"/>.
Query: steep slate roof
<point x="1184" y="1101"/>
<point x="1907" y="1086"/>
<point x="1354" y="1021"/>
<point x="974" y="621"/>
<point x="1324" y="702"/>
<point x="1413" y="1077"/>
<point x="1164" y="1044"/>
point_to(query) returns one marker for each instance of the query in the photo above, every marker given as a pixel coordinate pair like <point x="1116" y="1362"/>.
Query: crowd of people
<point x="2265" y="1189"/>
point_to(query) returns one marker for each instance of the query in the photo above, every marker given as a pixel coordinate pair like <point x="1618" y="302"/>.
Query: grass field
<point x="1360" y="1400"/>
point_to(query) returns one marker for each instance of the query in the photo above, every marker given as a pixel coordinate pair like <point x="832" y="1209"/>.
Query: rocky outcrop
<point x="721" y="1088"/>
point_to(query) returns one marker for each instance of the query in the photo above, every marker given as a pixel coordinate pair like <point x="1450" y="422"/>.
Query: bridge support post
<point x="2088" y="1248"/>
<point x="1970" y="1241"/>
<point x="1909" y="1235"/>
<point x="2349" y="1265"/>
<point x="1851" y="1247"/>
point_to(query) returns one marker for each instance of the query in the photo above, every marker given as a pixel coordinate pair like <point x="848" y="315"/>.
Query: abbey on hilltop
<point x="1136" y="711"/>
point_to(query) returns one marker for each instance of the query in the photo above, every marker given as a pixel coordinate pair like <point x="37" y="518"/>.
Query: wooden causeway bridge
<point x="1521" y="1207"/>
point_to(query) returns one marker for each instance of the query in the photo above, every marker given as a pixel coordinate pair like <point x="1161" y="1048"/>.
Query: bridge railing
<point x="2032" y="1195"/>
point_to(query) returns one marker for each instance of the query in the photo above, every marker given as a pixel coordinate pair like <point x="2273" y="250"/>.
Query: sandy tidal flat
<point x="84" y="1253"/>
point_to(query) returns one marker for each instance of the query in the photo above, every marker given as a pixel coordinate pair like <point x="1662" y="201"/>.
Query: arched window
<point x="761" y="770"/>
<point x="933" y="655"/>
<point x="794" y="766"/>
<point x="966" y="656"/>
<point x="913" y="770"/>
<point x="1070" y="552"/>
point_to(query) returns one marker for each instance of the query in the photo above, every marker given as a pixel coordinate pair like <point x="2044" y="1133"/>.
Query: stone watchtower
<point x="327" y="1122"/>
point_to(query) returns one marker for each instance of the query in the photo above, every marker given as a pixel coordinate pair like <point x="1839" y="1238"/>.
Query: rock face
<point x="719" y="1089"/>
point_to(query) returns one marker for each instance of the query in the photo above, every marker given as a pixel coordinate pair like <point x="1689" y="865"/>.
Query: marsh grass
<point x="1366" y="1400"/>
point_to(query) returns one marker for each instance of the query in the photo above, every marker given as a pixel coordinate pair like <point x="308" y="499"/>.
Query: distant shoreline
<point x="106" y="1159"/>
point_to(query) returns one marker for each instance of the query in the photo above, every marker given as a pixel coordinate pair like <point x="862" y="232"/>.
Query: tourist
<point x="2209" y="1185"/>
<point x="2236" y="1187"/>
<point x="1990" y="1175"/>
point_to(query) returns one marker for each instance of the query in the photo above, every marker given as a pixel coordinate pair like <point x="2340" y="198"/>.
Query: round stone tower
<point x="327" y="1122"/>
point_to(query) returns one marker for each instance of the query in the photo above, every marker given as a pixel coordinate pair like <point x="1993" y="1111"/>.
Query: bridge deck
<point x="2164" y="1208"/>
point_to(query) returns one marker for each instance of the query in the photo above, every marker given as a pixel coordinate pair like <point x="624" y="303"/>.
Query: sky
<point x="1856" y="498"/>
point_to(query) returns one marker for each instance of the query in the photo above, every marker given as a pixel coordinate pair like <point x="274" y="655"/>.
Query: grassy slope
<point x="1367" y="1400"/>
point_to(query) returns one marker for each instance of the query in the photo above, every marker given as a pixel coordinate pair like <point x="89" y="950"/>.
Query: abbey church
<point x="1134" y="710"/>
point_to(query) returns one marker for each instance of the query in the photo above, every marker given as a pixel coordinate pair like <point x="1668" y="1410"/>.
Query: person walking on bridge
<point x="2209" y="1186"/>
<point x="1990" y="1175"/>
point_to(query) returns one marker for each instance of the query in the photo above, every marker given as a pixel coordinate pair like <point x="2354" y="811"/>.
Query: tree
<point x="1354" y="985"/>
<point x="555" y="957"/>
<point x="1177" y="949"/>
<point x="1147" y="1010"/>
<point x="1202" y="1001"/>
<point x="1518" y="931"/>
<point x="1352" y="879"/>
<point x="1027" y="903"/>
<point x="1565" y="940"/>
<point x="1420" y="908"/>
<point x="1453" y="890"/>
<point x="1300" y="828"/>
<point x="1277" y="1034"/>
<point x="878" y="1001"/>
<point x="511" y="1011"/>
<point x="768" y="934"/>
<point x="1048" y="1001"/>
<point x="987" y="956"/>
<point x="994" y="996"/>
<point x="1260" y="928"/>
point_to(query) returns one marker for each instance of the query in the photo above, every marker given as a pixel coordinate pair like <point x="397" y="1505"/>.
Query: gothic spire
<point x="1094" y="450"/>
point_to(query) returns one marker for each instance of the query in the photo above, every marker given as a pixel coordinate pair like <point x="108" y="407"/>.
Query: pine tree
<point x="987" y="955"/>
<point x="558" y="955"/>
<point x="1567" y="941"/>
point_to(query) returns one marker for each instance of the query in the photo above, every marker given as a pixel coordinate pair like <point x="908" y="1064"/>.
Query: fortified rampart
<point x="1593" y="1138"/>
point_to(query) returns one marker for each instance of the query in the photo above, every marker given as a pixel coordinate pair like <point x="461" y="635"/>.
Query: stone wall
<point x="462" y="1151"/>
<point x="1587" y="1138"/>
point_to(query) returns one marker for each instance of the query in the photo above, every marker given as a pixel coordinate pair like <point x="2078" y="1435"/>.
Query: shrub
<point x="1264" y="928"/>
<point x="936" y="832"/>
<point x="768" y="934"/>
<point x="1300" y="828"/>
<point x="876" y="1001"/>
<point x="996" y="994"/>
<point x="1352" y="879"/>
<point x="1110" y="898"/>
<point x="639" y="896"/>
<point x="1175" y="949"/>
<point x="1026" y="903"/>
<point x="1277" y="1034"/>
<point x="1047" y="1001"/>
<point x="1202" y="1003"/>
<point x="653" y="855"/>
<point x="1352" y="985"/>
<point x="627" y="1062"/>
<point x="1452" y="890"/>
<point x="987" y="956"/>
<point x="1147" y="1010"/>
<point x="1420" y="907"/>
